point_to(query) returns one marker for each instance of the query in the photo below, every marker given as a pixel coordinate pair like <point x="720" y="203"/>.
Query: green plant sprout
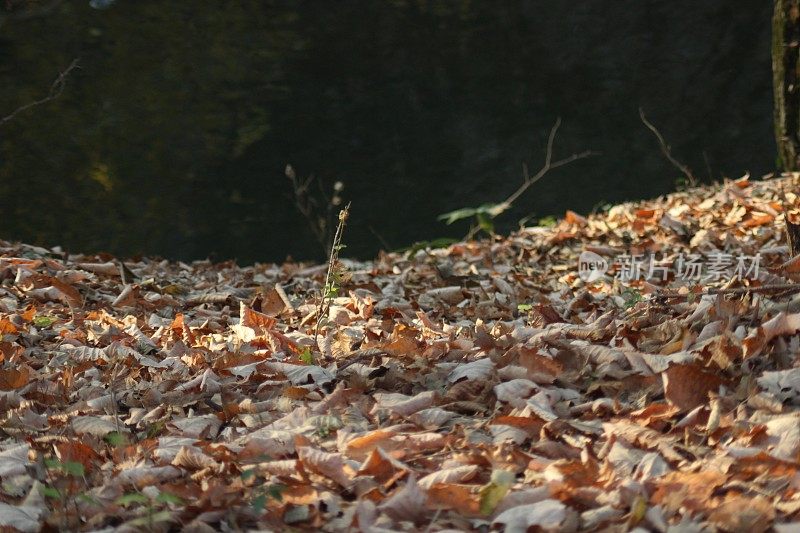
<point x="306" y="356"/>
<point x="483" y="216"/>
<point x="150" y="505"/>
<point x="263" y="492"/>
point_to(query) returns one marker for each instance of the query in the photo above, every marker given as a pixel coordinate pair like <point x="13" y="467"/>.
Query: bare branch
<point x="55" y="91"/>
<point x="547" y="167"/>
<point x="779" y="287"/>
<point x="306" y="205"/>
<point x="665" y="149"/>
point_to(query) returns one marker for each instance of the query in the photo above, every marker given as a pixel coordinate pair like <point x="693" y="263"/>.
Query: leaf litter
<point x="484" y="385"/>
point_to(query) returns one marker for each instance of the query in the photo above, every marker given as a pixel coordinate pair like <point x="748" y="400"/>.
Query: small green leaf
<point x="115" y="439"/>
<point x="131" y="498"/>
<point x="485" y="222"/>
<point x="259" y="502"/>
<point x="276" y="491"/>
<point x="524" y="307"/>
<point x="73" y="468"/>
<point x="52" y="463"/>
<point x="548" y="221"/>
<point x="88" y="499"/>
<point x="442" y="242"/>
<point x="154" y="429"/>
<point x="631" y="297"/>
<point x="331" y="291"/>
<point x="458" y="214"/>
<point x="495" y="490"/>
<point x="306" y="356"/>
<point x="42" y="321"/>
<point x="166" y="497"/>
<point x="50" y="492"/>
<point x="148" y="520"/>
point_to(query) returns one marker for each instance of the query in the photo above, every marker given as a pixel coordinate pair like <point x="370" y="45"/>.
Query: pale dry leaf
<point x="784" y="433"/>
<point x="24" y="518"/>
<point x="406" y="503"/>
<point x="402" y="404"/>
<point x="13" y="460"/>
<point x="432" y="418"/>
<point x="330" y="465"/>
<point x="546" y="514"/>
<point x="514" y="390"/>
<point x="480" y="369"/>
<point x="457" y="474"/>
<point x="143" y="476"/>
<point x="193" y="459"/>
<point x="95" y="425"/>
<point x="744" y="514"/>
<point x="780" y="324"/>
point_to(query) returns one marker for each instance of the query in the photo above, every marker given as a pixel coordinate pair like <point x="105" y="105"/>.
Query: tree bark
<point x="785" y="68"/>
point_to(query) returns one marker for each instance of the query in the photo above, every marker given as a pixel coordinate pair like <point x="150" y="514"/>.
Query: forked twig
<point x="547" y="167"/>
<point x="55" y="91"/>
<point x="667" y="151"/>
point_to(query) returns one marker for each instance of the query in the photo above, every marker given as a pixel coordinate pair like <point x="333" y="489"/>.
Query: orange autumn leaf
<point x="740" y="513"/>
<point x="28" y="314"/>
<point x="295" y="393"/>
<point x="78" y="452"/>
<point x="360" y="446"/>
<point x="6" y="327"/>
<point x="383" y="468"/>
<point x="254" y="319"/>
<point x="11" y="378"/>
<point x="463" y="499"/>
<point x="687" y="489"/>
<point x="574" y="218"/>
<point x="758" y="219"/>
<point x="71" y="293"/>
<point x="687" y="386"/>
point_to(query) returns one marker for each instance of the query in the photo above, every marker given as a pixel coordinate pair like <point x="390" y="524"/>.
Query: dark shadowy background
<point x="173" y="136"/>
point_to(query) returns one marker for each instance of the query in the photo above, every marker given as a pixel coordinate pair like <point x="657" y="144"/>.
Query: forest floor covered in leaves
<point x="481" y="386"/>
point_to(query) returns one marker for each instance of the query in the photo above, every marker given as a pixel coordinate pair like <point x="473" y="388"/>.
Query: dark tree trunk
<point x="785" y="55"/>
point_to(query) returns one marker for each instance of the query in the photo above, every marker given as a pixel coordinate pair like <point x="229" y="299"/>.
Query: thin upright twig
<point x="667" y="151"/>
<point x="549" y="165"/>
<point x="55" y="91"/>
<point x="333" y="259"/>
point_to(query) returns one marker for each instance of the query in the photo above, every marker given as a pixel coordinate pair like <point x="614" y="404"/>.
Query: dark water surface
<point x="173" y="136"/>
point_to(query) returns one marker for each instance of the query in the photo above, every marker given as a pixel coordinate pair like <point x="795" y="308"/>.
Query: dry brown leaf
<point x="687" y="386"/>
<point x="549" y="515"/>
<point x="361" y="446"/>
<point x="14" y="378"/>
<point x="781" y="324"/>
<point x="456" y="474"/>
<point x="464" y="499"/>
<point x="406" y="503"/>
<point x="193" y="459"/>
<point x="739" y="513"/>
<point x="690" y="490"/>
<point x="330" y="465"/>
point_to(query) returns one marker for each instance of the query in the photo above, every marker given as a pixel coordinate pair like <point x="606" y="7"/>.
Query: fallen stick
<point x="788" y="287"/>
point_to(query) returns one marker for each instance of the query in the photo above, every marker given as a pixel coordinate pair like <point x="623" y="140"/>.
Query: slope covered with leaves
<point x="482" y="385"/>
